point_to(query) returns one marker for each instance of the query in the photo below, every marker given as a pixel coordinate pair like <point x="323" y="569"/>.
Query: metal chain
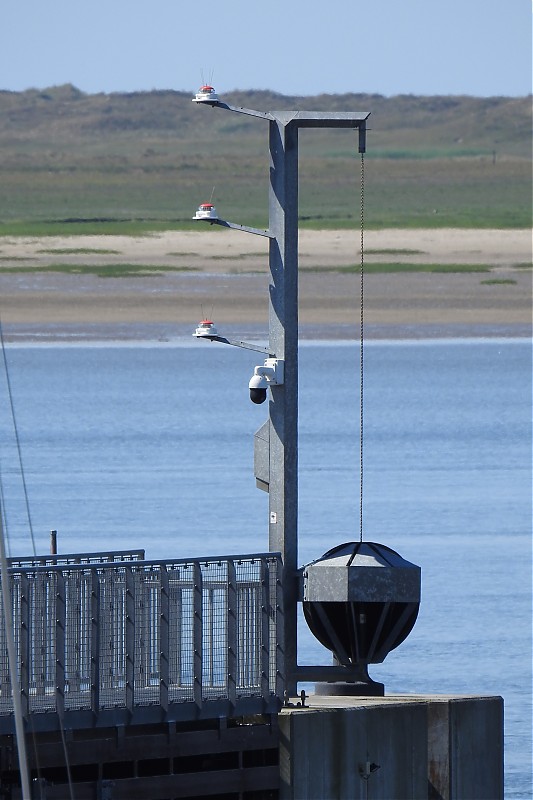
<point x="361" y="351"/>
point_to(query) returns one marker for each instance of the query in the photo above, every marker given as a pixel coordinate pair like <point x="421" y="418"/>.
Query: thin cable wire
<point x="5" y="529"/>
<point x="17" y="438"/>
<point x="361" y="353"/>
<point x="13" y="666"/>
<point x="5" y="541"/>
<point x="3" y="521"/>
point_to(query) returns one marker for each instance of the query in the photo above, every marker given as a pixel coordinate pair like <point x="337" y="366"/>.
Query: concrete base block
<point x="392" y="748"/>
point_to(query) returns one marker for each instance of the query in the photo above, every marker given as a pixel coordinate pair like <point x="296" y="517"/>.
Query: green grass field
<point x="102" y="270"/>
<point x="461" y="193"/>
<point x="153" y="270"/>
<point x="131" y="164"/>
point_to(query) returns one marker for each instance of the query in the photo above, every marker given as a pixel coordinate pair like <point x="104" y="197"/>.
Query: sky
<point x="294" y="47"/>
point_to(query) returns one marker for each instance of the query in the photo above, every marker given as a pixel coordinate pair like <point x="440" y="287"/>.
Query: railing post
<point x="197" y="634"/>
<point x="265" y="629"/>
<point x="129" y="638"/>
<point x="60" y="643"/>
<point x="164" y="672"/>
<point x="24" y="644"/>
<point x="231" y="666"/>
<point x="94" y="646"/>
<point x="280" y="622"/>
<point x="176" y="629"/>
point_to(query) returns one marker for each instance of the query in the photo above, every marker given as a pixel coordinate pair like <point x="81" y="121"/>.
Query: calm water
<point x="152" y="447"/>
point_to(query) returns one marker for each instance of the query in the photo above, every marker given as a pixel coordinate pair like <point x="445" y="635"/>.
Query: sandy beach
<point x="224" y="274"/>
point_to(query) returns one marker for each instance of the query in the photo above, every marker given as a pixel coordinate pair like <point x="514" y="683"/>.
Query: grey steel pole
<point x="283" y="332"/>
<point x="280" y="475"/>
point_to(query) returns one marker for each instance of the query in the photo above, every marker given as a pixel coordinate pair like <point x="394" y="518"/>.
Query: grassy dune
<point x="75" y="163"/>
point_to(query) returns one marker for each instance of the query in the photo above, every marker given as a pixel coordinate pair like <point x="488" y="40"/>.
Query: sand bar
<point x="224" y="274"/>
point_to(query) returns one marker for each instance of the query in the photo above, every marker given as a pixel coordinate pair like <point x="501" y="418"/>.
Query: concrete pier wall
<point x="392" y="748"/>
<point x="465" y="747"/>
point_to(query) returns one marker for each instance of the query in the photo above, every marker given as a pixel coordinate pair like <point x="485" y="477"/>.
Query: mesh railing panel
<point x="78" y="638"/>
<point x="41" y="655"/>
<point x="147" y="636"/>
<point x="126" y="634"/>
<point x="181" y="627"/>
<point x="6" y="701"/>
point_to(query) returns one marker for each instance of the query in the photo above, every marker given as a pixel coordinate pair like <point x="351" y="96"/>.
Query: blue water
<point x="152" y="447"/>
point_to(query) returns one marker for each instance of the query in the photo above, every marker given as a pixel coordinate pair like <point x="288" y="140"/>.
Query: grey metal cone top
<point x="363" y="572"/>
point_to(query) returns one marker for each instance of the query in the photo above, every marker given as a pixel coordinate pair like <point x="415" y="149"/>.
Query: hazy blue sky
<point x="303" y="47"/>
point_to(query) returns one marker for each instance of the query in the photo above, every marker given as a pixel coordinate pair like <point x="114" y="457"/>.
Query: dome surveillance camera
<point x="258" y="389"/>
<point x="270" y="374"/>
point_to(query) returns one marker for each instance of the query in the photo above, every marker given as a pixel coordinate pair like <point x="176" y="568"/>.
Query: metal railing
<point x="62" y="559"/>
<point x="131" y="641"/>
